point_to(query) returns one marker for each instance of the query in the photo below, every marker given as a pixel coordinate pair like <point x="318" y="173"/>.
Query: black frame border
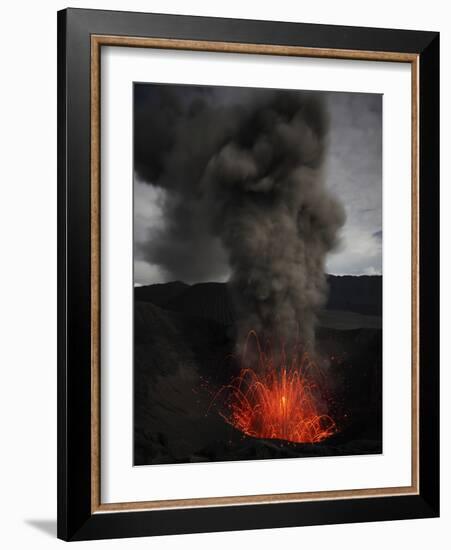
<point x="75" y="519"/>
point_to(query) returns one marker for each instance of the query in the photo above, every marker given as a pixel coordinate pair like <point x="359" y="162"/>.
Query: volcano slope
<point x="183" y="340"/>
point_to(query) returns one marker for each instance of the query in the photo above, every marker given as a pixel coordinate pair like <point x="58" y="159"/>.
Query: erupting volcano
<point x="280" y="397"/>
<point x="240" y="196"/>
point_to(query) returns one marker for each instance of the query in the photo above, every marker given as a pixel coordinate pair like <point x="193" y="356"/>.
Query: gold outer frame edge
<point x="97" y="41"/>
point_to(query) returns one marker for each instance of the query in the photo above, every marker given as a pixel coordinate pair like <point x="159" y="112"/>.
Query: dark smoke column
<point x="275" y="216"/>
<point x="243" y="168"/>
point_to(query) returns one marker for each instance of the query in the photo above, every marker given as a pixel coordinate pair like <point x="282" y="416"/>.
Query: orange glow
<point x="277" y="398"/>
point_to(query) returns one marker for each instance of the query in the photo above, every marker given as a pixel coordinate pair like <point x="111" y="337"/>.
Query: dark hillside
<point x="361" y="295"/>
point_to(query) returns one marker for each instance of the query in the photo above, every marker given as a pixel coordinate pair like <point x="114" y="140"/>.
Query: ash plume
<point x="243" y="182"/>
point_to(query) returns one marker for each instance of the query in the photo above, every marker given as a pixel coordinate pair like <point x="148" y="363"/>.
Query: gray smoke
<point x="245" y="173"/>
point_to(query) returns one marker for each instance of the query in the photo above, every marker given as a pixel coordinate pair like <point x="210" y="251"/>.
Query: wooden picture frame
<point x="81" y="35"/>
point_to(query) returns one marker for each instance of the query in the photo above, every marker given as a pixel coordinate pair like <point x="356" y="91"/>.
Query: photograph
<point x="226" y="315"/>
<point x="248" y="273"/>
<point x="257" y="271"/>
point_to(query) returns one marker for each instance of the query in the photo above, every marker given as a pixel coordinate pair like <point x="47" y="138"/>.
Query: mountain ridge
<point x="212" y="300"/>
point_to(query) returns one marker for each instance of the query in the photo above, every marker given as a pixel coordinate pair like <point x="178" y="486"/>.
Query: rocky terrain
<point x="184" y="335"/>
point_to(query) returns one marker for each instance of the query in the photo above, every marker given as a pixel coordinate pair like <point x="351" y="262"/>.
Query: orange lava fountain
<point x="279" y="399"/>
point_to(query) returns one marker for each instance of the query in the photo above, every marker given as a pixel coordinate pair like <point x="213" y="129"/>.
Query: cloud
<point x="360" y="253"/>
<point x="378" y="234"/>
<point x="145" y="272"/>
<point x="148" y="214"/>
<point x="239" y="179"/>
<point x="353" y="173"/>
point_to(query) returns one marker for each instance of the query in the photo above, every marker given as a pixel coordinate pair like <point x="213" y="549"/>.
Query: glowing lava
<point x="279" y="398"/>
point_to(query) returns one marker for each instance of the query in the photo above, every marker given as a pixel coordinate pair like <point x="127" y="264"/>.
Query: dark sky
<point x="352" y="171"/>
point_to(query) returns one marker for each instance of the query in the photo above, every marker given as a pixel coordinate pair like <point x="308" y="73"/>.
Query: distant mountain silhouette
<point x="160" y="294"/>
<point x="362" y="295"/>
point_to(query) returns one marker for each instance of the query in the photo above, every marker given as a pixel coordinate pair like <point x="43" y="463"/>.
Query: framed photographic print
<point x="248" y="274"/>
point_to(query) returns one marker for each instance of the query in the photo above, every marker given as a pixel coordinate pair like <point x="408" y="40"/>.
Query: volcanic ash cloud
<point x="250" y="174"/>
